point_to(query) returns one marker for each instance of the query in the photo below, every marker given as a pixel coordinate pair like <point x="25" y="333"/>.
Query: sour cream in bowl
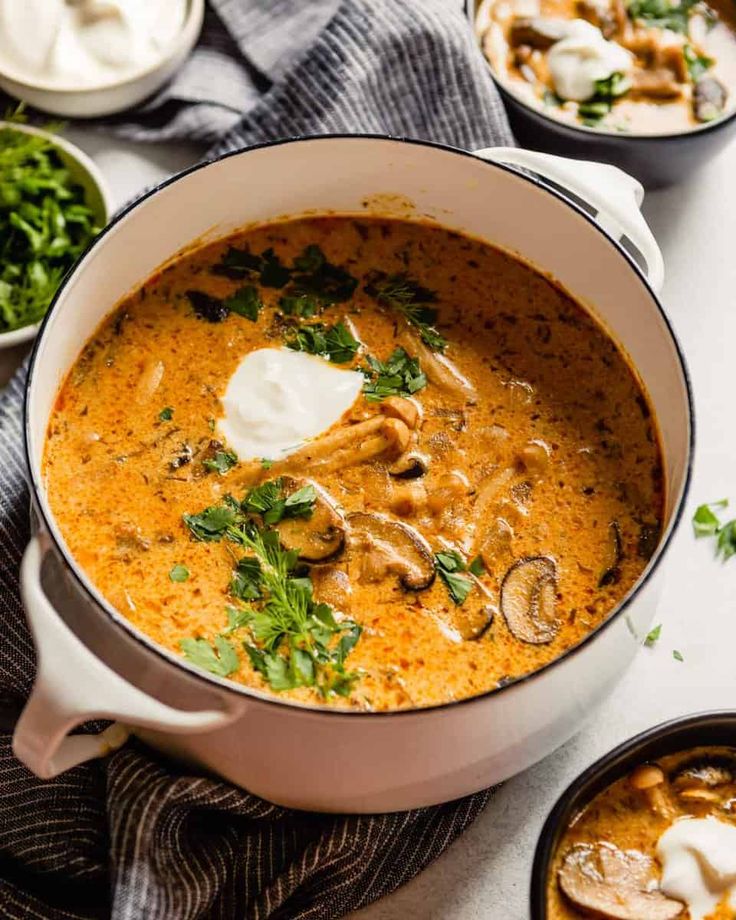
<point x="93" y="57"/>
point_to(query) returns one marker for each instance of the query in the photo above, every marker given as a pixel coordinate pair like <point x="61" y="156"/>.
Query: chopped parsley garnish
<point x="336" y="342"/>
<point x="697" y="64"/>
<point x="400" y="375"/>
<point x="44" y="225"/>
<point x="412" y="301"/>
<point x="270" y="501"/>
<point x="289" y="638"/>
<point x="653" y="636"/>
<point x="663" y="14"/>
<point x="477" y="566"/>
<point x="166" y="414"/>
<point x="303" y="306"/>
<point x="706" y="523"/>
<point x="266" y="464"/>
<point x="678" y="656"/>
<point x="222" y="659"/>
<point x="179" y="573"/>
<point x="206" y="307"/>
<point x="314" y="275"/>
<point x="246" y="302"/>
<point x="223" y="461"/>
<point x="450" y="566"/>
<point x="606" y="92"/>
<point x="242" y="263"/>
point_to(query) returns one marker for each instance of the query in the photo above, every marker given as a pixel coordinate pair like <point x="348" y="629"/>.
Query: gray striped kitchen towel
<point x="136" y="837"/>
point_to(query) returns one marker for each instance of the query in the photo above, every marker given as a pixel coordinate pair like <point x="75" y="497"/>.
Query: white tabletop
<point x="486" y="873"/>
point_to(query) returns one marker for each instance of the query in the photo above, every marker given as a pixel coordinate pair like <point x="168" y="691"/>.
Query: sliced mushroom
<point x="474" y="617"/>
<point x="528" y="599"/>
<point x="332" y="586"/>
<point x="709" y="99"/>
<point x="411" y="465"/>
<point x="318" y="537"/>
<point x="654" y="84"/>
<point x="406" y="410"/>
<point x="537" y="32"/>
<point x="385" y="547"/>
<point x="701" y="778"/>
<point x="614" y="884"/>
<point x="440" y="370"/>
<point x="612" y="564"/>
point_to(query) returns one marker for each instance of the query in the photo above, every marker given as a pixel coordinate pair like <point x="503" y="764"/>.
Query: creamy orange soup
<point x="486" y="500"/>
<point x="607" y="864"/>
<point x="661" y="66"/>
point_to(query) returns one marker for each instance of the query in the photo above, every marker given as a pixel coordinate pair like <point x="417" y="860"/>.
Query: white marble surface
<point x="486" y="873"/>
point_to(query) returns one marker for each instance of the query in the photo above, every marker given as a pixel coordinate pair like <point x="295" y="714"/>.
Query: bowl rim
<point x="471" y="9"/>
<point x="26" y="333"/>
<point x="606" y="770"/>
<point x="211" y="680"/>
<point x="186" y="37"/>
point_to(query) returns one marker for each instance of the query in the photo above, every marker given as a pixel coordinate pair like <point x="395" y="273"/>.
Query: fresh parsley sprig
<point x="413" y="301"/>
<point x="399" y="375"/>
<point x="450" y="568"/>
<point x="607" y="91"/>
<point x="663" y="14"/>
<point x="336" y="342"/>
<point x="706" y="523"/>
<point x="291" y="639"/>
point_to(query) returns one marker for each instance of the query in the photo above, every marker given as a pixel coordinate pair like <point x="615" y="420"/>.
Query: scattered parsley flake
<point x="223" y="461"/>
<point x="677" y="655"/>
<point x="450" y="566"/>
<point x="166" y="414"/>
<point x="653" y="636"/>
<point x="179" y="573"/>
<point x="400" y="375"/>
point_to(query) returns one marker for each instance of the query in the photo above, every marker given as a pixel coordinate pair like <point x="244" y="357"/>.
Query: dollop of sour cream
<point x="581" y="58"/>
<point x="85" y="44"/>
<point x="698" y="857"/>
<point x="278" y="398"/>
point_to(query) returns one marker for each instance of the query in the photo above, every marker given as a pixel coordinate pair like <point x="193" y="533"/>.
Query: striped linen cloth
<point x="135" y="837"/>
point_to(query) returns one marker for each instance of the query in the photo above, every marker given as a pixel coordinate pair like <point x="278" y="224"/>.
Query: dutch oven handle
<point x="614" y="194"/>
<point x="73" y="686"/>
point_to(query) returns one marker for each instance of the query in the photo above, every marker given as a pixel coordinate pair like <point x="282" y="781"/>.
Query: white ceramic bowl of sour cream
<point x="59" y="94"/>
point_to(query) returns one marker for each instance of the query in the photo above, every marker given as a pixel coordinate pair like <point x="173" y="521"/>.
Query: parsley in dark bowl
<point x="666" y="102"/>
<point x="53" y="202"/>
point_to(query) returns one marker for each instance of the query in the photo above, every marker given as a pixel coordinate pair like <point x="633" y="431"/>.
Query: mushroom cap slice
<point x="394" y="548"/>
<point x="319" y="537"/>
<point x="613" y="884"/>
<point x="708" y="771"/>
<point x="528" y="598"/>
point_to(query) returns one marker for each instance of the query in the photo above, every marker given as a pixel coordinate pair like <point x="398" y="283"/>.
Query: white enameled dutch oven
<point x="92" y="664"/>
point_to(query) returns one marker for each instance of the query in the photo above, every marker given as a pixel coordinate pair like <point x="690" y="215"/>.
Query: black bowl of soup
<point x="646" y="85"/>
<point x="648" y="832"/>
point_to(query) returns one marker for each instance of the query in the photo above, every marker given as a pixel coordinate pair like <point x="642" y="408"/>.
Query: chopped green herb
<point x="44" y="225"/>
<point x="222" y="659"/>
<point x="697" y="64"/>
<point x="726" y="546"/>
<point x="269" y="501"/>
<point x="450" y="565"/>
<point x="223" y="461"/>
<point x="315" y="276"/>
<point x="336" y="342"/>
<point x="266" y="464"/>
<point x="303" y="306"/>
<point x="606" y="92"/>
<point x="653" y="636"/>
<point x="663" y="14"/>
<point x="179" y="573"/>
<point x="245" y="302"/>
<point x="246" y="580"/>
<point x="206" y="307"/>
<point x="212" y="523"/>
<point x="211" y="424"/>
<point x="166" y="414"/>
<point x="412" y="301"/>
<point x="677" y="655"/>
<point x="705" y="520"/>
<point x="242" y="263"/>
<point x="400" y="375"/>
<point x="477" y="566"/>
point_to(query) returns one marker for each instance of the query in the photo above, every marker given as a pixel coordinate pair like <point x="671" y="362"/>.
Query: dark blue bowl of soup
<point x="656" y="160"/>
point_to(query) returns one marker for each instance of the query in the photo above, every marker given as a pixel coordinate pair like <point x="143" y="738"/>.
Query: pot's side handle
<point x="73" y="686"/>
<point x="616" y="196"/>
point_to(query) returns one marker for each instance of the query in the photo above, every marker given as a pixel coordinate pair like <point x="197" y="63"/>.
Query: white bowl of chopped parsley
<point x="53" y="202"/>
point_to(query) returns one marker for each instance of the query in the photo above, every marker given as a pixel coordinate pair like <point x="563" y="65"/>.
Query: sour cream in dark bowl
<point x="649" y="85"/>
<point x="648" y="832"/>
